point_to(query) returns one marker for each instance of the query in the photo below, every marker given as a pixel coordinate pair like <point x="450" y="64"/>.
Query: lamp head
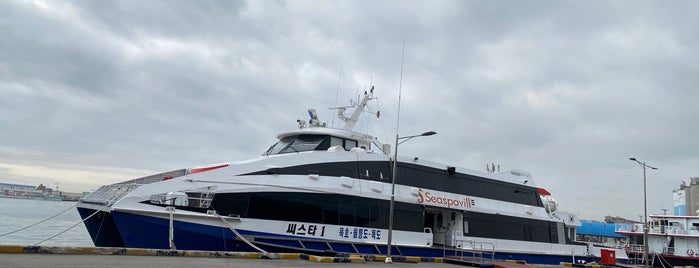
<point x="429" y="133"/>
<point x="632" y="159"/>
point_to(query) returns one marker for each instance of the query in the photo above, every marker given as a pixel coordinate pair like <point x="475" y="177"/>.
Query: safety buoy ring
<point x="627" y="247"/>
<point x="690" y="252"/>
<point x="634" y="228"/>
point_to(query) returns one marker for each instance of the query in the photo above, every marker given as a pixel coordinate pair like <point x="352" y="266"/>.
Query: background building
<point x="679" y="202"/>
<point x="686" y="198"/>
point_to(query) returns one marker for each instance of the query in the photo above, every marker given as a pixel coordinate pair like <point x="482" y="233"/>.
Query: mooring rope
<point x="40" y="222"/>
<point x="241" y="237"/>
<point x="88" y="217"/>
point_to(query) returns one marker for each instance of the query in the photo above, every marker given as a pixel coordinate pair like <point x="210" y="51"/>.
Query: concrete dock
<point x="122" y="261"/>
<point x="42" y="256"/>
<point x="38" y="256"/>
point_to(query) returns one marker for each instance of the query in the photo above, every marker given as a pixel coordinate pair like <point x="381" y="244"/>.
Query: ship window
<point x="335" y="141"/>
<point x="407" y="218"/>
<point x="299" y="143"/>
<point x="280" y="145"/>
<point x="304" y="143"/>
<point x="349" y="144"/>
<point x="346" y="215"/>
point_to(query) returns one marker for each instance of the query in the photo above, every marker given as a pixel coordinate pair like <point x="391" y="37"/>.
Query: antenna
<point x="400" y="89"/>
<point x="395" y="163"/>
<point x="337" y="92"/>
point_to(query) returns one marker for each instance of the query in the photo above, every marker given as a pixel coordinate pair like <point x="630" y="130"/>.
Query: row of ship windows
<point x="318" y="208"/>
<point x="303" y="143"/>
<point x="465" y="184"/>
<point x="419" y="176"/>
<point x="372" y="213"/>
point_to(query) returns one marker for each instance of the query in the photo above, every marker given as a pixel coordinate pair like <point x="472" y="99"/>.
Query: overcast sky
<point x="96" y="92"/>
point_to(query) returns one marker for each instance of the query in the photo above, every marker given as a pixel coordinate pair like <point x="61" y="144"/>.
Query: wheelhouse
<point x="310" y="142"/>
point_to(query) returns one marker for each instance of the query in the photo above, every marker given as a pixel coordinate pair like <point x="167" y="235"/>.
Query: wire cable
<point x="40" y="222"/>
<point x="88" y="217"/>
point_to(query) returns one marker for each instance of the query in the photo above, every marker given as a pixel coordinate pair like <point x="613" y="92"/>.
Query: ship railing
<point x="658" y="229"/>
<point x="607" y="245"/>
<point x="669" y="250"/>
<point x="629" y="228"/>
<point x="689" y="252"/>
<point x="677" y="230"/>
<point x="663" y="229"/>
<point x="638" y="257"/>
<point x="634" y="248"/>
<point x="673" y="230"/>
<point x="196" y="200"/>
<point x="158" y="177"/>
<point x="477" y="250"/>
<point x="107" y="195"/>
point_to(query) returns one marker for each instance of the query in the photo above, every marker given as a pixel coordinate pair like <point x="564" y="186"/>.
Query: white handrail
<point x="477" y="247"/>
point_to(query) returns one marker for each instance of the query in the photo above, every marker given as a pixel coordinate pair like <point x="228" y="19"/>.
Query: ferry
<point x="672" y="241"/>
<point x="21" y="191"/>
<point x="325" y="190"/>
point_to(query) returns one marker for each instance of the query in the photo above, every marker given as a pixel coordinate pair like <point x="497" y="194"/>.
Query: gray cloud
<point x="567" y="91"/>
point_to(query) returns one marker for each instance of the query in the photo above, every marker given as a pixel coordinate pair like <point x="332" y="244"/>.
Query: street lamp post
<point x="645" y="210"/>
<point x="393" y="189"/>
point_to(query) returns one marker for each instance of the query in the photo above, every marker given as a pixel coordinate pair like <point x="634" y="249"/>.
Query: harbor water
<point x="16" y="214"/>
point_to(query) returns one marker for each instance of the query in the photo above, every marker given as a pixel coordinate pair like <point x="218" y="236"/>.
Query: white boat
<point x="21" y="191"/>
<point x="326" y="190"/>
<point x="672" y="241"/>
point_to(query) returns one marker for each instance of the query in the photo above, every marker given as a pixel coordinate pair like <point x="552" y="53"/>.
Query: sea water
<point x="16" y="214"/>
